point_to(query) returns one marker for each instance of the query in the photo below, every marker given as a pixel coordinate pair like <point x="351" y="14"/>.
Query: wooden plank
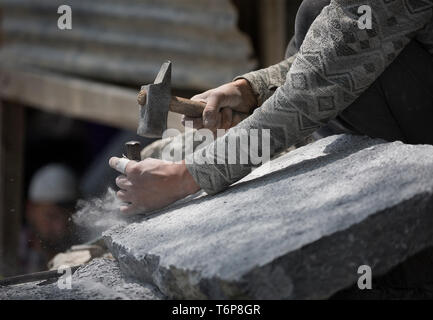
<point x="11" y="179"/>
<point x="93" y="101"/>
<point x="273" y="31"/>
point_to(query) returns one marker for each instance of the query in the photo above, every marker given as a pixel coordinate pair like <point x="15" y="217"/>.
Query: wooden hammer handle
<point x="190" y="108"/>
<point x="194" y="109"/>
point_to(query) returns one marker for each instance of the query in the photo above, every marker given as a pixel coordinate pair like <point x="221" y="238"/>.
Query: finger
<point x="210" y="112"/>
<point x="123" y="183"/>
<point x="123" y="195"/>
<point x="129" y="210"/>
<point x="197" y="123"/>
<point x="121" y="164"/>
<point x="238" y="117"/>
<point x="131" y="169"/>
<point x="218" y="123"/>
<point x="226" y="118"/>
<point x="201" y="97"/>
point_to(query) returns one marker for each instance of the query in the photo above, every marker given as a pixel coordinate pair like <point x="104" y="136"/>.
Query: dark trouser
<point x="397" y="106"/>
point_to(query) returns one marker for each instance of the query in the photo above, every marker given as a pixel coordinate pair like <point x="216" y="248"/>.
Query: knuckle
<point x="221" y="94"/>
<point x="217" y="95"/>
<point x="134" y="169"/>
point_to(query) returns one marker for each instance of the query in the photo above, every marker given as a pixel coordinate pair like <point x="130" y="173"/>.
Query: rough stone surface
<point x="300" y="231"/>
<point x="409" y="280"/>
<point x="100" y="279"/>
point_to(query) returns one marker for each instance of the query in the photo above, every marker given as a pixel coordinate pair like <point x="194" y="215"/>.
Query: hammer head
<point x="153" y="114"/>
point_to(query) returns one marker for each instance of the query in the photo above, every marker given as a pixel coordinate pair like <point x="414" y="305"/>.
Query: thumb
<point x="122" y="165"/>
<point x="201" y="96"/>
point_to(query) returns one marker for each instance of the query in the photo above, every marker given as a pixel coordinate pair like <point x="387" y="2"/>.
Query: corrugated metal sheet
<point x="126" y="41"/>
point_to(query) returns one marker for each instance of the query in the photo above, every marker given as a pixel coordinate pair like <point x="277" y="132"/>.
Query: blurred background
<point x="68" y="97"/>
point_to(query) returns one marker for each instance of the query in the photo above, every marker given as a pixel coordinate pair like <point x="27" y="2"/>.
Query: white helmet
<point x="53" y="183"/>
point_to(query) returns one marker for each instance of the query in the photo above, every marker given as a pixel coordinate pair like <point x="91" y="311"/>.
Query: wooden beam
<point x="273" y="31"/>
<point x="93" y="101"/>
<point x="11" y="178"/>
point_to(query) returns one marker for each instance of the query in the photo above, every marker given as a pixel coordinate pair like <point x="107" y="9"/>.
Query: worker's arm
<point x="336" y="63"/>
<point x="264" y="82"/>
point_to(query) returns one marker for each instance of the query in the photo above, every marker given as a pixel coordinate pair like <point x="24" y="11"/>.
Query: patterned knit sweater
<point x="336" y="63"/>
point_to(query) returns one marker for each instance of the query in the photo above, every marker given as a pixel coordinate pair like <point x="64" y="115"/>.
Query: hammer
<point x="155" y="101"/>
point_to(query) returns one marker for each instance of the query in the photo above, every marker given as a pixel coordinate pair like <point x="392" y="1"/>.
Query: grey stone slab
<point x="299" y="229"/>
<point x="100" y="279"/>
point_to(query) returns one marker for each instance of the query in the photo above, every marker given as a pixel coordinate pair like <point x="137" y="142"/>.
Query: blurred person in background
<point x="51" y="199"/>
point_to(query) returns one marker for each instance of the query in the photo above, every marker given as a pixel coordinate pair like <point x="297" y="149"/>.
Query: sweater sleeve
<point x="264" y="82"/>
<point x="336" y="63"/>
